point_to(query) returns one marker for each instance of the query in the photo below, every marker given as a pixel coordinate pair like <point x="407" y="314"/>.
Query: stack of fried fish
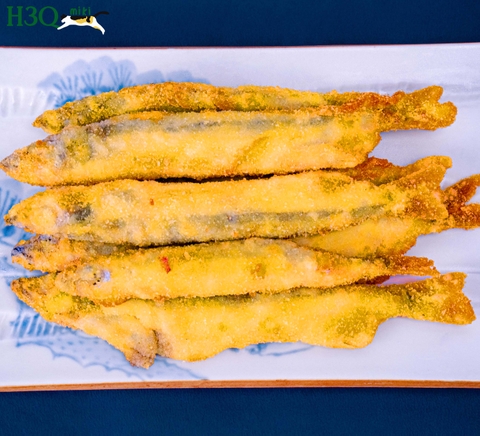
<point x="183" y="219"/>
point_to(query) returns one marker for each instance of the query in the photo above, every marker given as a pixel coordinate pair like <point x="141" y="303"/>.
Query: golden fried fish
<point x="421" y="108"/>
<point x="388" y="236"/>
<point x="154" y="145"/>
<point x="197" y="328"/>
<point x="152" y="213"/>
<point x="383" y="237"/>
<point x="224" y="268"/>
<point x="157" y="145"/>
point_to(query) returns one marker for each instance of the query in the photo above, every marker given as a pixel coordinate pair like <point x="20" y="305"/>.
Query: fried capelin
<point x="420" y="109"/>
<point x="381" y="171"/>
<point x="198" y="328"/>
<point x="225" y="268"/>
<point x="50" y="254"/>
<point x="152" y="213"/>
<point x="155" y="145"/>
<point x="388" y="236"/>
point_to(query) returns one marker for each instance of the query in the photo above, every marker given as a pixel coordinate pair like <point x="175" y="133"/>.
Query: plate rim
<point x="280" y="383"/>
<point x="216" y="384"/>
<point x="243" y="47"/>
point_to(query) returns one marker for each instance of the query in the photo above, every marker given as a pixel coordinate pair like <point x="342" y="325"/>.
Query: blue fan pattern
<point x="11" y="193"/>
<point x="79" y="80"/>
<point x="272" y="349"/>
<point x="30" y="329"/>
<point x="82" y="79"/>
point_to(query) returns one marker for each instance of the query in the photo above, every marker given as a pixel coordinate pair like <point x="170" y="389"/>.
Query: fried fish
<point x="384" y="237"/>
<point x="158" y="145"/>
<point x="154" y="145"/>
<point x="225" y="268"/>
<point x="388" y="236"/>
<point x="152" y="213"/>
<point x="421" y="108"/>
<point x="198" y="328"/>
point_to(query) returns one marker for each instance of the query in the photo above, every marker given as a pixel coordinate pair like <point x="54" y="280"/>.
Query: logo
<point x="20" y="16"/>
<point x="31" y="16"/>
<point x="82" y="20"/>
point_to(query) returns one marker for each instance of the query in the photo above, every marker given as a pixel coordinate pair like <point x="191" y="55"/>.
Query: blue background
<point x="244" y="411"/>
<point x="251" y="22"/>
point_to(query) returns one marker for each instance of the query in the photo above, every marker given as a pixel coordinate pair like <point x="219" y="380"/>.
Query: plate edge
<point x="242" y="47"/>
<point x="464" y="384"/>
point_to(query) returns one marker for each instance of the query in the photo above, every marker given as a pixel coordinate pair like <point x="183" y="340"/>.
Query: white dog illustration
<point x="82" y="20"/>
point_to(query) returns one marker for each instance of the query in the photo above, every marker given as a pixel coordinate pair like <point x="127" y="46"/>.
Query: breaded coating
<point x="224" y="268"/>
<point x="152" y="213"/>
<point x="384" y="237"/>
<point x="197" y="328"/>
<point x="125" y="332"/>
<point x="156" y="145"/>
<point x="421" y="108"/>
<point x="188" y="269"/>
<point x="381" y="171"/>
<point x="464" y="215"/>
<point x="50" y="254"/>
<point x="388" y="236"/>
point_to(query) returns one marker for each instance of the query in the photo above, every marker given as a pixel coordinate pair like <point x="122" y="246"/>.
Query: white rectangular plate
<point x="35" y="354"/>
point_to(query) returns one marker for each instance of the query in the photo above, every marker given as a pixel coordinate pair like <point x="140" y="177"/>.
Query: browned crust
<point x="419" y="109"/>
<point x="466" y="216"/>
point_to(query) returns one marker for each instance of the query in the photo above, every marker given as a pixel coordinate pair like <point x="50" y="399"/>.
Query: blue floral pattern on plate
<point x="82" y="79"/>
<point x="79" y="80"/>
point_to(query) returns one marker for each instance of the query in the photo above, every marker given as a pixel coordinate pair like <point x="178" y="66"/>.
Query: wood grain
<point x="251" y="384"/>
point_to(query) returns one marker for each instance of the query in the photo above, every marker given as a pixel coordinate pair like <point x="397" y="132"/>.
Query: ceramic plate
<point x="35" y="354"/>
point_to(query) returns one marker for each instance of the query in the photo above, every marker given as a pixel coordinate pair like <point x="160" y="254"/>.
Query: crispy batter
<point x="369" y="239"/>
<point x="421" y="108"/>
<point x="177" y="301"/>
<point x="390" y="236"/>
<point x="197" y="328"/>
<point x="152" y="213"/>
<point x="154" y="145"/>
<point x="381" y="171"/>
<point x="466" y="216"/>
<point x="253" y="265"/>
<point x="385" y="237"/>
<point x="125" y="332"/>
<point x="51" y="254"/>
